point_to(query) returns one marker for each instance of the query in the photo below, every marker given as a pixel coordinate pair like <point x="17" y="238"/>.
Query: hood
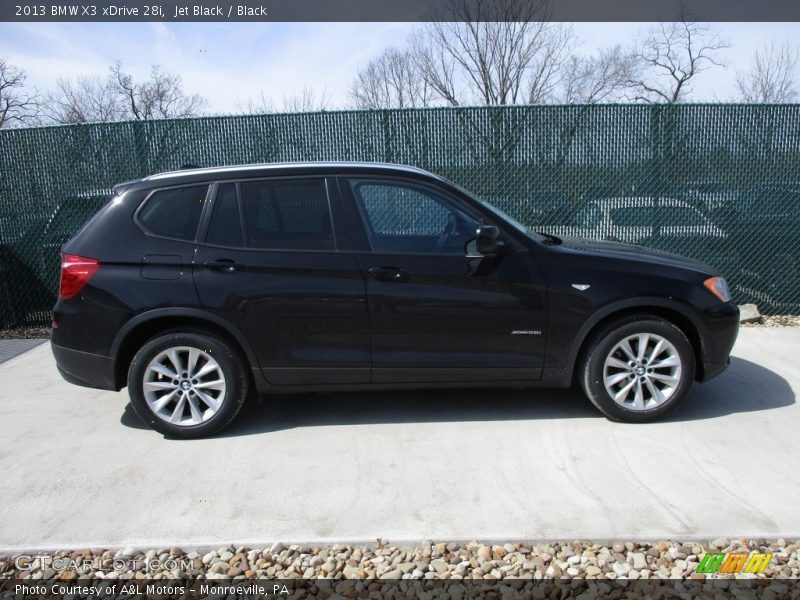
<point x="634" y="252"/>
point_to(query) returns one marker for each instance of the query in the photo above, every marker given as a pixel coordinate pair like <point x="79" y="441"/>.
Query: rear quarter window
<point x="174" y="213"/>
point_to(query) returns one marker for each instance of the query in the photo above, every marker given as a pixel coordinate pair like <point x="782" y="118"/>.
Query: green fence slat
<point x="719" y="182"/>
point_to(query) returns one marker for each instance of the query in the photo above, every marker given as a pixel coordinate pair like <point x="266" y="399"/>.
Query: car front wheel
<point x="638" y="368"/>
<point x="187" y="384"/>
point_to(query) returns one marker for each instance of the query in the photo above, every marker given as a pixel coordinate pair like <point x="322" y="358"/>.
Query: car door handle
<point x="223" y="265"/>
<point x="387" y="274"/>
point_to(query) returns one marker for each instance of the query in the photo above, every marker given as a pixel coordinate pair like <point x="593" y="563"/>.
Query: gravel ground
<point x="776" y="321"/>
<point x="44" y="332"/>
<point x="25" y="333"/>
<point x="566" y="560"/>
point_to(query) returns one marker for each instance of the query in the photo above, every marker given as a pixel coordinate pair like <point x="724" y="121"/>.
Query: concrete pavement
<point x="79" y="469"/>
<point x="11" y="348"/>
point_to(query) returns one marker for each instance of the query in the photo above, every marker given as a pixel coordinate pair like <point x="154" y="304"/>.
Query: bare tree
<point x="502" y="52"/>
<point x="117" y="97"/>
<point x="261" y="104"/>
<point x="18" y="105"/>
<point x="671" y="55"/>
<point x="160" y="96"/>
<point x="436" y="67"/>
<point x="305" y="100"/>
<point x="548" y="63"/>
<point x="771" y="77"/>
<point x="85" y="100"/>
<point x="599" y="78"/>
<point x="392" y="80"/>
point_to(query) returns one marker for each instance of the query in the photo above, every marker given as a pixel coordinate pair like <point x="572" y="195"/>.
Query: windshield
<point x="512" y="221"/>
<point x="505" y="216"/>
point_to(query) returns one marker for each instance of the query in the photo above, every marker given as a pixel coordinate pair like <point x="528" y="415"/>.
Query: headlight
<point x="718" y="287"/>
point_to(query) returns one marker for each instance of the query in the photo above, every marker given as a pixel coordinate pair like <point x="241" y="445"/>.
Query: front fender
<point x="687" y="316"/>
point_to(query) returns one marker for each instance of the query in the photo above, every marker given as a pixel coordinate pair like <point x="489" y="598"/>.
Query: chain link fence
<point x="716" y="182"/>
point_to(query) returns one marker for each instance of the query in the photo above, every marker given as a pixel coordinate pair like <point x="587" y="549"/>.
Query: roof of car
<point x="254" y="170"/>
<point x="638" y="201"/>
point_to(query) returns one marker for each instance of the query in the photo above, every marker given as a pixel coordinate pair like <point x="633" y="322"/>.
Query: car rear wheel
<point x="638" y="368"/>
<point x="187" y="384"/>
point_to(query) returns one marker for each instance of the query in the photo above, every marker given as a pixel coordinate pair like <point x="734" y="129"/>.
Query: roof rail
<point x="121" y="187"/>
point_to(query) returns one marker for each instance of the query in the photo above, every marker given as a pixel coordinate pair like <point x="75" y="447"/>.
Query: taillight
<point x="76" y="271"/>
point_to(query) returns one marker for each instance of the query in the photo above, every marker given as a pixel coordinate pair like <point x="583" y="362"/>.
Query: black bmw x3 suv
<point x="197" y="287"/>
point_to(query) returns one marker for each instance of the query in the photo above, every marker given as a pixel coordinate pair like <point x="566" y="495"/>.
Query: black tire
<point x="591" y="371"/>
<point x="230" y="363"/>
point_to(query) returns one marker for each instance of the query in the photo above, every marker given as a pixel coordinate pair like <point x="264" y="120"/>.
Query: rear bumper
<point x="87" y="370"/>
<point x="722" y="328"/>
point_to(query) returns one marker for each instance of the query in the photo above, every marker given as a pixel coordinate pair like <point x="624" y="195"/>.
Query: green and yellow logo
<point x="734" y="562"/>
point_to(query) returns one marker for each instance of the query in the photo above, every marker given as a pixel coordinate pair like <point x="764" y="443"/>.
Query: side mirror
<point x="487" y="240"/>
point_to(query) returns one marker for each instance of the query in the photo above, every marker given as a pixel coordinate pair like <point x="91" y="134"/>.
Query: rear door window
<point x="225" y="227"/>
<point x="287" y="214"/>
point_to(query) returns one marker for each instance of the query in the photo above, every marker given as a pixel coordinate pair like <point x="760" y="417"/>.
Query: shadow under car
<point x="744" y="387"/>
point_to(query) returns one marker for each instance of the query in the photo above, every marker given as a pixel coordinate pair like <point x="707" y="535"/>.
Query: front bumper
<point x="85" y="369"/>
<point x="722" y="328"/>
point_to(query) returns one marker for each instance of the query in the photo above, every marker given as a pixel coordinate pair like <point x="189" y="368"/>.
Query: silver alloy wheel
<point x="642" y="371"/>
<point x="184" y="386"/>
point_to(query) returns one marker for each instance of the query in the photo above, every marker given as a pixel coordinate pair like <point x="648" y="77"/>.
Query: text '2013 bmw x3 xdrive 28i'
<point x="194" y="287"/>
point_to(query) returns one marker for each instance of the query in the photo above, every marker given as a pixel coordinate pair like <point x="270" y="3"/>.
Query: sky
<point x="229" y="63"/>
